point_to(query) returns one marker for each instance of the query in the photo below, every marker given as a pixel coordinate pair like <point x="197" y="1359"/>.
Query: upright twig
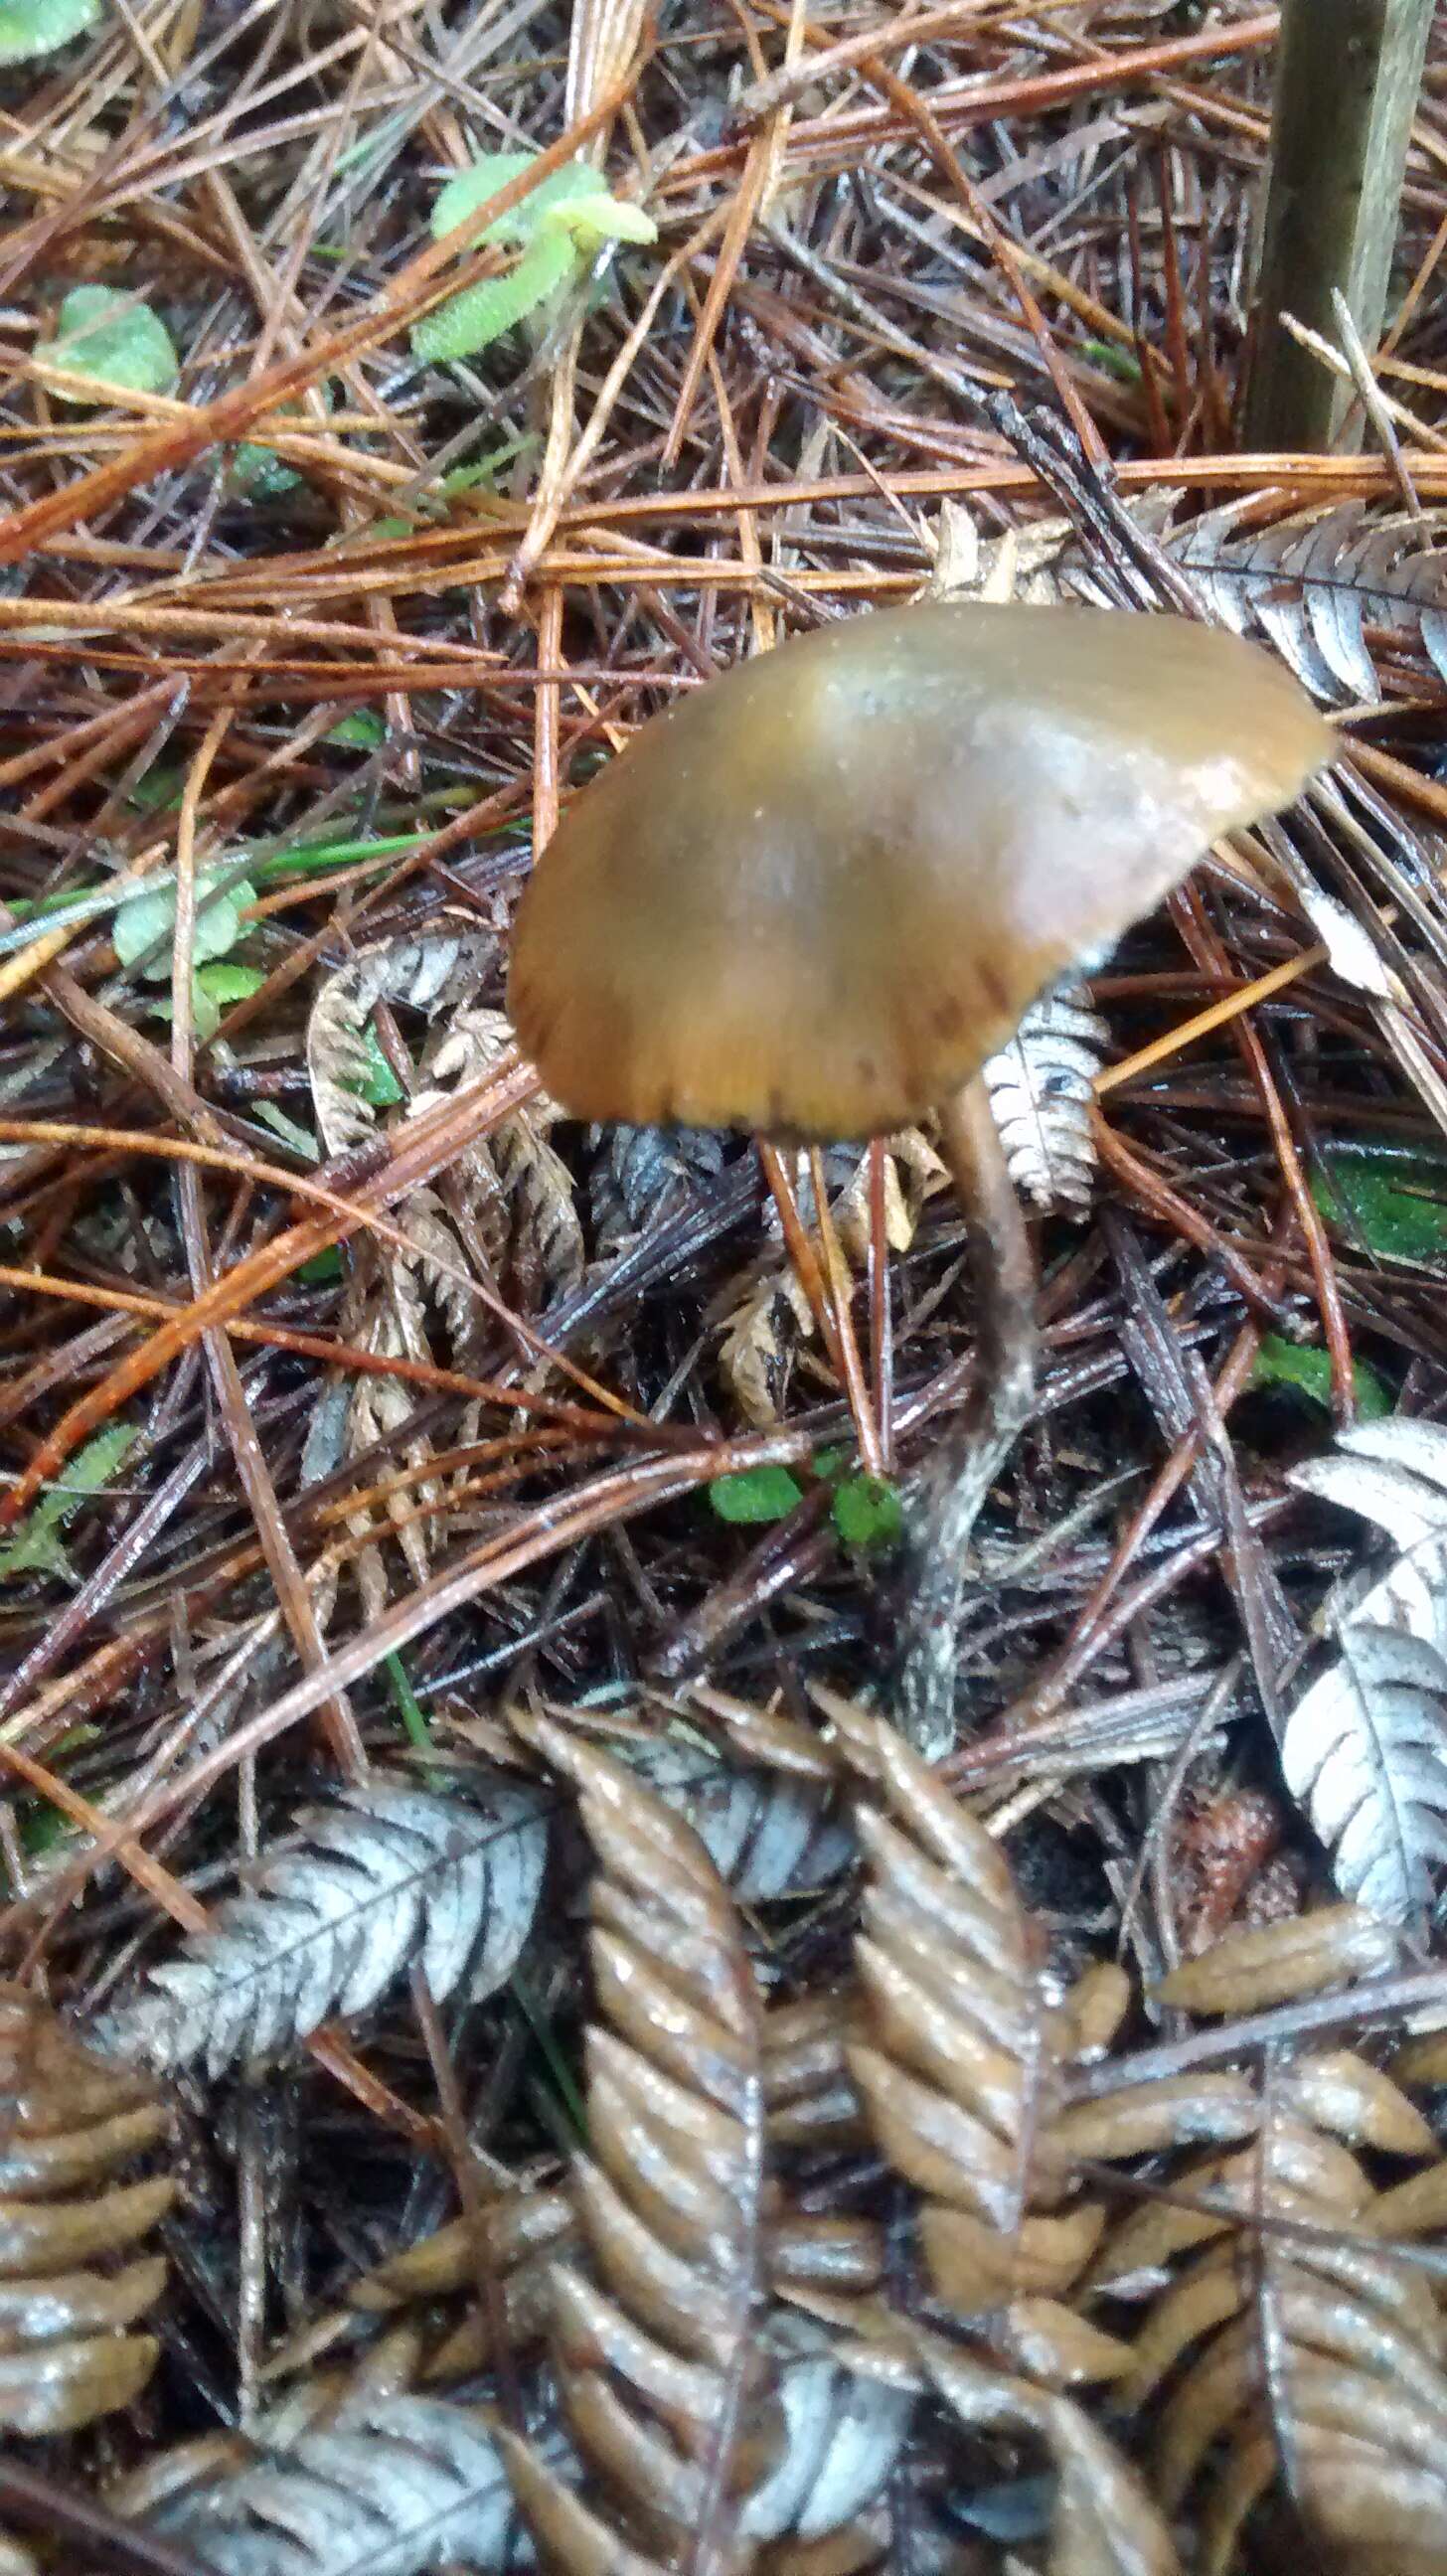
<point x="1347" y="82"/>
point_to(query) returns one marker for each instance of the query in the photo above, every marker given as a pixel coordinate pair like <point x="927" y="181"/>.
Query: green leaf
<point x="1395" y="1204"/>
<point x="111" y="336"/>
<point x="362" y="730"/>
<point x="378" y="1086"/>
<point x="576" y="180"/>
<point x="260" y="474"/>
<point x="323" y="1269"/>
<point x="559" y="228"/>
<point x="409" y="1707"/>
<point x="144" y="927"/>
<point x="36" y="1547"/>
<point x="158" y="790"/>
<point x="1115" y="361"/>
<point x="269" y="1113"/>
<point x="1308" y="1369"/>
<point x="757" y="1494"/>
<point x="867" y="1512"/>
<point x="30" y="28"/>
<point x="225" y="981"/>
<point x="470" y="322"/>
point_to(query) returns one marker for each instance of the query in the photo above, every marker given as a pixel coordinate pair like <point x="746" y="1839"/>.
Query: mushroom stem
<point x="965" y="1465"/>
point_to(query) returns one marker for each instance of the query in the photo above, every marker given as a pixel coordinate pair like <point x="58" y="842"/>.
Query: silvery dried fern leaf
<point x="387" y="1878"/>
<point x="1364" y="1748"/>
<point x="1315" y="581"/>
<point x="1040" y="1089"/>
<point x="437" y="970"/>
<point x="1102" y="2521"/>
<point x="374" y="2483"/>
<point x="767" y="1835"/>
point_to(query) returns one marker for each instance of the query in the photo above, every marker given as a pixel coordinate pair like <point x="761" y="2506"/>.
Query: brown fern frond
<point x="514" y="2242"/>
<point x="72" y="2283"/>
<point x="1102" y="2521"/>
<point x="520" y="1192"/>
<point x="1286" y="2348"/>
<point x="664" y="2385"/>
<point x="962" y="2077"/>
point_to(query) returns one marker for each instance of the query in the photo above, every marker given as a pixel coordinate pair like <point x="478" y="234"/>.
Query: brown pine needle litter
<point x="506" y="2051"/>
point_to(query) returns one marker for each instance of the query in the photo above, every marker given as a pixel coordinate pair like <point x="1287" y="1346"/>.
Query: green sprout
<point x="114" y="338"/>
<point x="36" y="1547"/>
<point x="559" y="229"/>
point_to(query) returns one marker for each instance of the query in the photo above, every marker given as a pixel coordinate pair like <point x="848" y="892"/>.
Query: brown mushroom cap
<point x="816" y="894"/>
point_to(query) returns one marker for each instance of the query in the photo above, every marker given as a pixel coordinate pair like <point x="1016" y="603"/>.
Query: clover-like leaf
<point x="142" y="929"/>
<point x="114" y="338"/>
<point x="756" y="1494"/>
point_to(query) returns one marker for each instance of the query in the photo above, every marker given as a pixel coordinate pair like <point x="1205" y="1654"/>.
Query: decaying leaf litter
<point x="429" y="1523"/>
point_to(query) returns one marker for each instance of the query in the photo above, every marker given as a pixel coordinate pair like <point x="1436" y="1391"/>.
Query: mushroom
<point x="813" y="898"/>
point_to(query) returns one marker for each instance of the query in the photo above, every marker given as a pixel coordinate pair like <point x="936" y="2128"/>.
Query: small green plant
<point x="114" y="338"/>
<point x="866" y="1511"/>
<point x="1283" y="1363"/>
<point x="756" y="1495"/>
<point x="559" y="229"/>
<point x="30" y="28"/>
<point x="142" y="931"/>
<point x="1393" y="1203"/>
<point x="37" y="1547"/>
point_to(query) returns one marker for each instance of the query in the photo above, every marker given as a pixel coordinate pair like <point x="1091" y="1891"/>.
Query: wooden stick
<point x="1348" y="76"/>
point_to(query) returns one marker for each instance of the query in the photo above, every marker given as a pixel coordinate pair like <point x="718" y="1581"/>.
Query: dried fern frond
<point x="436" y="971"/>
<point x="962" y="2076"/>
<point x="1365" y="1745"/>
<point x="642" y="1172"/>
<point x="843" y="2436"/>
<point x="765" y="1313"/>
<point x="1102" y="2521"/>
<point x="1285" y="2347"/>
<point x="514" y="2240"/>
<point x="1314" y="581"/>
<point x="1041" y="1087"/>
<point x="386" y="1878"/>
<point x="766" y="1834"/>
<point x="369" y="2483"/>
<point x="662" y="2380"/>
<point x="72" y="2283"/>
<point x="520" y="1191"/>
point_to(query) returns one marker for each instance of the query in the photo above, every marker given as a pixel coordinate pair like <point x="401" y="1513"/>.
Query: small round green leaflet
<point x="30" y="28"/>
<point x="559" y="229"/>
<point x="114" y="339"/>
<point x="756" y="1495"/>
<point x="867" y="1512"/>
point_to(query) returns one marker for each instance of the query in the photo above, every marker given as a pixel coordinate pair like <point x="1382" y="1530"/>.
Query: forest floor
<point x="373" y="1436"/>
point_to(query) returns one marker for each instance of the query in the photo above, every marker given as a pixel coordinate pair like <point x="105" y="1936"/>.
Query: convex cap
<point x="816" y="894"/>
